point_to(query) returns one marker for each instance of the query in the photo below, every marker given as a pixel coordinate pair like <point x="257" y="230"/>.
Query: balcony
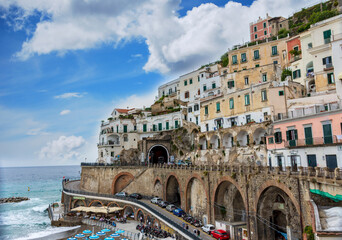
<point x="295" y="58"/>
<point x="243" y="60"/>
<point x="328" y="67"/>
<point x="109" y="143"/>
<point x="318" y="141"/>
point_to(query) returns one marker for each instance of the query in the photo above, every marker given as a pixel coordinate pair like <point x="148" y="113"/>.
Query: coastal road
<point x="75" y="185"/>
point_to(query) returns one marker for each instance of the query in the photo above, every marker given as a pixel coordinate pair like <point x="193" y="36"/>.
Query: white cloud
<point x="69" y="95"/>
<point x="36" y="131"/>
<point x="64" y="112"/>
<point x="137" y="101"/>
<point x="138" y="55"/>
<point x="64" y="148"/>
<point x="175" y="43"/>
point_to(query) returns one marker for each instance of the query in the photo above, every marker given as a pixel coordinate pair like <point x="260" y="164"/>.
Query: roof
<point x="121" y="110"/>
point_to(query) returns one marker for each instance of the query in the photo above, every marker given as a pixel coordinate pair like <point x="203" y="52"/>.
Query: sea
<point x="43" y="185"/>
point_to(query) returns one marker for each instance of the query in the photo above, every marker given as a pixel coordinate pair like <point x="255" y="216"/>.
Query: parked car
<point x="220" y="234"/>
<point x="178" y="212"/>
<point x="208" y="228"/>
<point x="197" y="223"/>
<point x="170" y="207"/>
<point x="121" y="194"/>
<point x="184" y="163"/>
<point x="163" y="204"/>
<point x="135" y="195"/>
<point x="155" y="200"/>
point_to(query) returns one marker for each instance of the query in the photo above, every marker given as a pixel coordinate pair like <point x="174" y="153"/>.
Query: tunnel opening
<point x="158" y="154"/>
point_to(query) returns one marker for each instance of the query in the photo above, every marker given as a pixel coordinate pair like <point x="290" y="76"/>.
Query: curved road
<point x="75" y="186"/>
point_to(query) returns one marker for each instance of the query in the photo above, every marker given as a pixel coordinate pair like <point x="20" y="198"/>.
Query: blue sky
<point x="64" y="67"/>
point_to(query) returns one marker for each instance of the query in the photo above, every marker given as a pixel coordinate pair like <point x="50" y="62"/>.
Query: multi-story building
<point x="336" y="48"/>
<point x="310" y="140"/>
<point x="253" y="55"/>
<point x="170" y="88"/>
<point x="267" y="27"/>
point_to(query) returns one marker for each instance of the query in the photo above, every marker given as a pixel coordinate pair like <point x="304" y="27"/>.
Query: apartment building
<point x="170" y="89"/>
<point x="267" y="27"/>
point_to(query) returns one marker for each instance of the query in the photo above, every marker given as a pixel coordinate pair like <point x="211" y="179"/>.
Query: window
<point x="274" y="50"/>
<point x="207" y="127"/>
<point x="197" y="120"/>
<point x="218" y="107"/>
<point x="163" y="93"/>
<point x="263" y="95"/>
<point x="230" y="84"/>
<point x="112" y="154"/>
<point x="265" y="25"/>
<point x="309" y="45"/>
<point x="176" y="123"/>
<point x="326" y="60"/>
<point x="281" y="93"/>
<point x="145" y="128"/>
<point x="248" y="118"/>
<point x="243" y="57"/>
<point x="264" y="77"/>
<point x="246" y="80"/>
<point x="326" y="36"/>
<point x="125" y="128"/>
<point x="206" y="110"/>
<point x="231" y="103"/>
<point x="117" y="128"/>
<point x="331" y="79"/>
<point x="167" y="125"/>
<point x="186" y="94"/>
<point x="198" y="78"/>
<point x="271" y="140"/>
<point x="255" y="28"/>
<point x="170" y="90"/>
<point x="257" y="65"/>
<point x="213" y="85"/>
<point x="280" y="25"/>
<point x="125" y="138"/>
<point x="190" y="80"/>
<point x="160" y="126"/>
<point x="154" y="128"/>
<point x="255" y="36"/>
<point x="196" y="107"/>
<point x="204" y="88"/>
<point x="189" y="109"/>
<point x="292" y="136"/>
<point x="234" y="59"/>
<point x="296" y="48"/>
<point x="185" y="82"/>
<point x="265" y="32"/>
<point x="135" y="127"/>
<point x="275" y="62"/>
<point x="101" y="154"/>
<point x="256" y="54"/>
<point x="296" y="74"/>
<point x="277" y="137"/>
<point x="247" y="102"/>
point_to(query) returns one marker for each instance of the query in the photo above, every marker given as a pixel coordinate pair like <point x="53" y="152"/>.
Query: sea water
<point x="29" y="219"/>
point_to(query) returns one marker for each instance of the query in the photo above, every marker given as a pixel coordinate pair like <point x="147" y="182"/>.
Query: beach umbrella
<point x="120" y="231"/>
<point x="101" y="233"/>
<point x="94" y="237"/>
<point x="109" y="238"/>
<point x="115" y="235"/>
<point x="87" y="232"/>
<point x="80" y="235"/>
<point x="72" y="238"/>
<point x="105" y="230"/>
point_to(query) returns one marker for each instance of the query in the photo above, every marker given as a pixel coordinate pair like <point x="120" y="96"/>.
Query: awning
<point x="336" y="198"/>
<point x="97" y="209"/>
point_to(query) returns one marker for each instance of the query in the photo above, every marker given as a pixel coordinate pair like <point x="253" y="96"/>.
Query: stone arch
<point x="228" y="140"/>
<point x="158" y="188"/>
<point x="276" y="204"/>
<point x="215" y="142"/>
<point x="96" y="203"/>
<point x="196" y="196"/>
<point x="120" y="181"/>
<point x="78" y="202"/>
<point x="112" y="203"/>
<point x="128" y="211"/>
<point x="156" y="222"/>
<point x="172" y="190"/>
<point x="113" y="139"/>
<point x="229" y="202"/>
<point x="242" y="138"/>
<point x="141" y="214"/>
<point x="259" y="136"/>
<point x="158" y="154"/>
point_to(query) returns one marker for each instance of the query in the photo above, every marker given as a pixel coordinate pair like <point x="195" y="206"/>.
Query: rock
<point x="13" y="199"/>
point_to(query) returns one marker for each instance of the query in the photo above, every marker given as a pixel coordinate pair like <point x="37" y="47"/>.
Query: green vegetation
<point x="286" y="72"/>
<point x="224" y="60"/>
<point x="282" y="33"/>
<point x="295" y="52"/>
<point x="129" y="116"/>
<point x="309" y="233"/>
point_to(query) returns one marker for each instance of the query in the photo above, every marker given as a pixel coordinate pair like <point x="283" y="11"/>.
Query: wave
<point x="47" y="232"/>
<point x="41" y="208"/>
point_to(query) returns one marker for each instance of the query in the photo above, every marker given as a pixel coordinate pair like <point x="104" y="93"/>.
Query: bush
<point x="224" y="60"/>
<point x="304" y="27"/>
<point x="286" y="72"/>
<point x="283" y="33"/>
<point x="309" y="233"/>
<point x="320" y="16"/>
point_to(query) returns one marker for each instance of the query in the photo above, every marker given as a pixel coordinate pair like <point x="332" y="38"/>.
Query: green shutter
<point x="213" y="85"/>
<point x="327" y="133"/>
<point x="296" y="134"/>
<point x="327" y="34"/>
<point x="117" y="129"/>
<point x="206" y="110"/>
<point x="288" y="135"/>
<point x="176" y="124"/>
<point x="160" y="126"/>
<point x="204" y="88"/>
<point x="144" y="128"/>
<point x="167" y="125"/>
<point x="125" y="128"/>
<point x="154" y="127"/>
<point x="308" y="136"/>
<point x="217" y="106"/>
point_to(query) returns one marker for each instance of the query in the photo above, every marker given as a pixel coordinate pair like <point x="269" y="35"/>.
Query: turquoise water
<point x="29" y="219"/>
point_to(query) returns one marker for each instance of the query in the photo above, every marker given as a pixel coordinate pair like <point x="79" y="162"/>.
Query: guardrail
<point x="155" y="212"/>
<point x="307" y="142"/>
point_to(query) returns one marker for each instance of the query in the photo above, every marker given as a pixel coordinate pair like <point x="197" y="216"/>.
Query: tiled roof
<point x="120" y="110"/>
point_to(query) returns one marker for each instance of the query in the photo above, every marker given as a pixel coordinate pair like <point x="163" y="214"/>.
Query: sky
<point x="66" y="64"/>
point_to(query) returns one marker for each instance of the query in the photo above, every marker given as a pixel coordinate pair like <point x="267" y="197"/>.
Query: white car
<point x="170" y="207"/>
<point x="121" y="194"/>
<point x="208" y="228"/>
<point x="155" y="200"/>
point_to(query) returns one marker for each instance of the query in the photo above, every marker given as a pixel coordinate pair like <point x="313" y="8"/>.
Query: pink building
<point x="308" y="141"/>
<point x="260" y="29"/>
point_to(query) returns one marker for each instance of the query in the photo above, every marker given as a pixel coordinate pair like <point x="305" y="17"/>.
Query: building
<point x="267" y="27"/>
<point x="169" y="88"/>
<point x="336" y="48"/>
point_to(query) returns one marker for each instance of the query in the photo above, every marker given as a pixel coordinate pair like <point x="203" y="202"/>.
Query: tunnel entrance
<point x="158" y="154"/>
<point x="172" y="191"/>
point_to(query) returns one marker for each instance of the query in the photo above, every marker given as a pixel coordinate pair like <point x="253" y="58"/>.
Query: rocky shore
<point x="13" y="199"/>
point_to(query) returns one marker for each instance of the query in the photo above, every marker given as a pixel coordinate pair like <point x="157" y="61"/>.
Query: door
<point x="294" y="163"/>
<point x="312" y="162"/>
<point x="327" y="133"/>
<point x="308" y="136"/>
<point x="331" y="162"/>
<point x="292" y="136"/>
<point x="167" y="125"/>
<point x="280" y="163"/>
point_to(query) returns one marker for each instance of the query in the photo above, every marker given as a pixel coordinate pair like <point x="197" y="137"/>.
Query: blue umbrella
<point x="101" y="233"/>
<point x="72" y="238"/>
<point x="80" y="235"/>
<point x="105" y="230"/>
<point x="94" y="237"/>
<point x="109" y="238"/>
<point x="120" y="231"/>
<point x="115" y="235"/>
<point x="87" y="232"/>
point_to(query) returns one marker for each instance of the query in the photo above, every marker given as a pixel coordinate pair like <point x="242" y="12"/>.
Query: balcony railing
<point x="109" y="143"/>
<point x="309" y="142"/>
<point x="328" y="66"/>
